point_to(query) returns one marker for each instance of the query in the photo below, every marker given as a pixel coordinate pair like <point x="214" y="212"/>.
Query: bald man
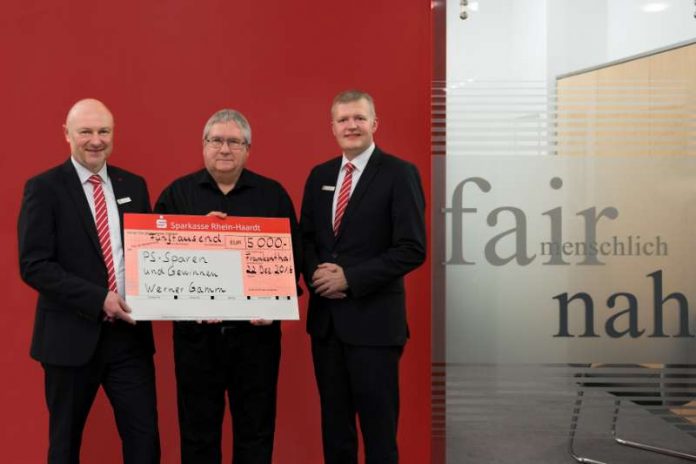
<point x="71" y="253"/>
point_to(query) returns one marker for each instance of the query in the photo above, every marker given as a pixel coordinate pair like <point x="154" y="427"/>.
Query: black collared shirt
<point x="252" y="196"/>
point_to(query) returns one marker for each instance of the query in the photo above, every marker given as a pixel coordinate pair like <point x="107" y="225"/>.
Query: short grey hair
<point x="228" y="115"/>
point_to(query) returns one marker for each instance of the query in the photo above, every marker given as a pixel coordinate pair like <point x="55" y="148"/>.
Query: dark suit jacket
<point x="60" y="257"/>
<point x="381" y="238"/>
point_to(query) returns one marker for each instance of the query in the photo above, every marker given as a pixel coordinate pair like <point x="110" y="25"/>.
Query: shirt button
<point x="334" y="255"/>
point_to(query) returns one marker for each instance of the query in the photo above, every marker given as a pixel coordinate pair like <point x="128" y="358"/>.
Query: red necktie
<point x="102" y="221"/>
<point x="343" y="197"/>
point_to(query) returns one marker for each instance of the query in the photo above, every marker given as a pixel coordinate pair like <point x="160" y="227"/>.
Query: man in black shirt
<point x="236" y="358"/>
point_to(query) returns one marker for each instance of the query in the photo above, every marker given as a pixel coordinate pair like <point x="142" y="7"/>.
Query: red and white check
<point x="200" y="267"/>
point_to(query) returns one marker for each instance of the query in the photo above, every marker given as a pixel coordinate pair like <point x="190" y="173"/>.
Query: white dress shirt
<point x="360" y="162"/>
<point x="112" y="212"/>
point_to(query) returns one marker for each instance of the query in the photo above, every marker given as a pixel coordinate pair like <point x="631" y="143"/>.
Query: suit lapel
<point x="77" y="193"/>
<point x="363" y="186"/>
<point x="120" y="191"/>
<point x="125" y="191"/>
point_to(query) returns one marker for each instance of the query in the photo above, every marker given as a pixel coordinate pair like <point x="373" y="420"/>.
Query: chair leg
<point x="573" y="428"/>
<point x="615" y="418"/>
<point x="644" y="446"/>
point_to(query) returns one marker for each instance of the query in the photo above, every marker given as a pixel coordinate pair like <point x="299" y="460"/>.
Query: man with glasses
<point x="235" y="358"/>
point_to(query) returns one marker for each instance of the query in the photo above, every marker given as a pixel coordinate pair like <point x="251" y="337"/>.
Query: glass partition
<point x="563" y="227"/>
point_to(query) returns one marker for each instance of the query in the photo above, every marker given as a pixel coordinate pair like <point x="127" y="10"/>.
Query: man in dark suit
<point x="71" y="252"/>
<point x="363" y="229"/>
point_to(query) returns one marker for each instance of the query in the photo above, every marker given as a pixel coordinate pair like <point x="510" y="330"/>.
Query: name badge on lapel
<point x="124" y="200"/>
<point x="328" y="188"/>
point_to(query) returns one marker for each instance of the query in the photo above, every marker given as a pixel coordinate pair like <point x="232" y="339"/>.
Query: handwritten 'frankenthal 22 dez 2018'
<point x="199" y="267"/>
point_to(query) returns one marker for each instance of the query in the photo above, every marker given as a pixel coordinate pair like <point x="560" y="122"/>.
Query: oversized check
<point x="200" y="267"/>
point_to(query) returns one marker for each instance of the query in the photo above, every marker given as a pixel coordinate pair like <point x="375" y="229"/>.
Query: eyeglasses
<point x="218" y="142"/>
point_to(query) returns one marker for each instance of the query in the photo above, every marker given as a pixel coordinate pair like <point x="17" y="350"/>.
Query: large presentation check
<point x="201" y="268"/>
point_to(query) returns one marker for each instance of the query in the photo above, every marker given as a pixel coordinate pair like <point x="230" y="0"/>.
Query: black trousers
<point x="362" y="380"/>
<point x="127" y="373"/>
<point x="238" y="360"/>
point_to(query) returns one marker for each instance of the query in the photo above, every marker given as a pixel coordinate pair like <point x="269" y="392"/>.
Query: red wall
<point x="163" y="67"/>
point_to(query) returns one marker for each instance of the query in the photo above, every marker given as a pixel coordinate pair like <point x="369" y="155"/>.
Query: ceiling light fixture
<point x="655" y="7"/>
<point x="464" y="9"/>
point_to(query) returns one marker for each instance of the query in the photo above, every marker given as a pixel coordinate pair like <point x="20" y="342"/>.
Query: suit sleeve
<point x="38" y="263"/>
<point x="287" y="209"/>
<point x="310" y="258"/>
<point x="146" y="206"/>
<point x="408" y="242"/>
